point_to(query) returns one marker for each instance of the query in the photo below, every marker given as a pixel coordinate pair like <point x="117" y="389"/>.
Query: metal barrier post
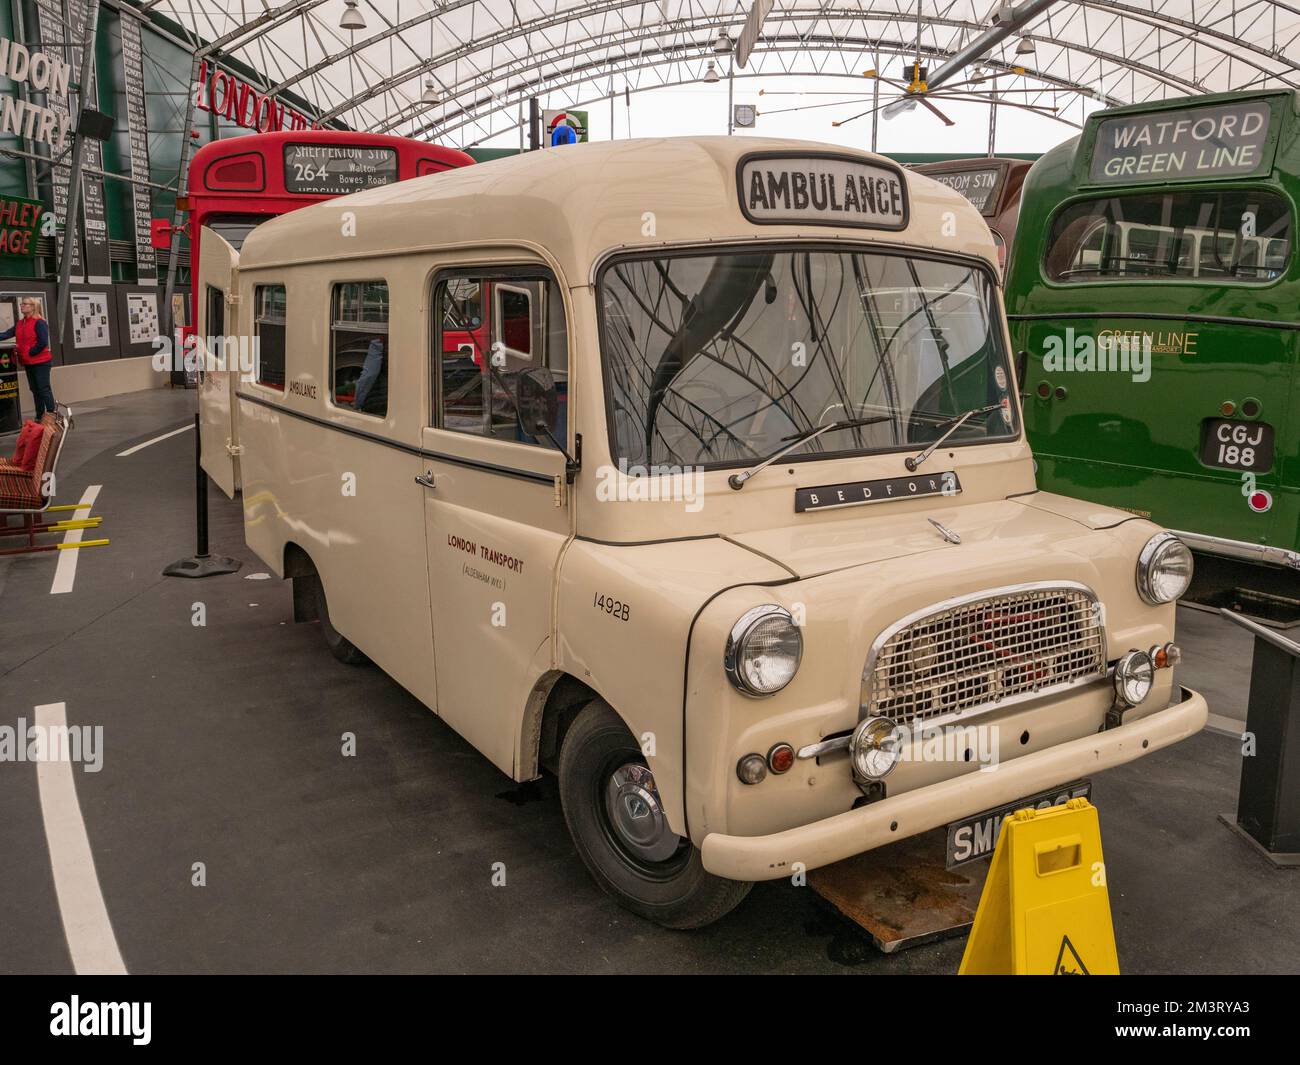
<point x="1268" y="802"/>
<point x="201" y="564"/>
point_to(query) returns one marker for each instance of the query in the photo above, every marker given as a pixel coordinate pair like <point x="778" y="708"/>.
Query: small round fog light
<point x="780" y="759"/>
<point x="875" y="748"/>
<point x="1133" y="677"/>
<point x="751" y="769"/>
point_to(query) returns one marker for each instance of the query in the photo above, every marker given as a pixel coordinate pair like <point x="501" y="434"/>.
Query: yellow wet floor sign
<point x="1045" y="908"/>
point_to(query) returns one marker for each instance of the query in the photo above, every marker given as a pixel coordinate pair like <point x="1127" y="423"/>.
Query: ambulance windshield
<point x="717" y="359"/>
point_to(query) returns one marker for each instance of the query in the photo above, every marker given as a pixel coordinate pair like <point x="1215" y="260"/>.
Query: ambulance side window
<point x="492" y="327"/>
<point x="269" y="328"/>
<point x="359" y="346"/>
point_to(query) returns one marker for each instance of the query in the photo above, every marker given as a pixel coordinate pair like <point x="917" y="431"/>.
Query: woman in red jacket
<point x="32" y="345"/>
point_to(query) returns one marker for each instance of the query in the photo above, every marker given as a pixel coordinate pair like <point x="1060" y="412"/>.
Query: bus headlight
<point x="1164" y="569"/>
<point x="763" y="650"/>
<point x="1134" y="673"/>
<point x="875" y="748"/>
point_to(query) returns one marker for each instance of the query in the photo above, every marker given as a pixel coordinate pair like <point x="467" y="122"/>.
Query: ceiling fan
<point x="913" y="89"/>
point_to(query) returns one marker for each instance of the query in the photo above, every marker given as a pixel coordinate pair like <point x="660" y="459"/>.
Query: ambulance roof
<point x="580" y="201"/>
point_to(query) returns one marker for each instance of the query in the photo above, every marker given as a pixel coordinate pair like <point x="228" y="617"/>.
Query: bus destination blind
<point x="335" y="169"/>
<point x="1211" y="141"/>
<point x="978" y="186"/>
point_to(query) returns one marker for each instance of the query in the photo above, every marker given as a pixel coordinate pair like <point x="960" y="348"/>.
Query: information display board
<point x="142" y="316"/>
<point x="90" y="327"/>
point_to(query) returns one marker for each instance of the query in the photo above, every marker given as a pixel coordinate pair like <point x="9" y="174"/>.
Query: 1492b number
<point x="615" y="608"/>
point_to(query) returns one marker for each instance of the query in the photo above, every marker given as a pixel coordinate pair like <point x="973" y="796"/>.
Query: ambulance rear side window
<point x="359" y="346"/>
<point x="269" y="328"/>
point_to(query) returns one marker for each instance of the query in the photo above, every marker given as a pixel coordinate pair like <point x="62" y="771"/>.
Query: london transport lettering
<point x="488" y="554"/>
<point x="1203" y="142"/>
<point x="829" y="190"/>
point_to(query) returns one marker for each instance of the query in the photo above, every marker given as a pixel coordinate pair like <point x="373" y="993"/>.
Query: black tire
<point x="676" y="891"/>
<point x="340" y="646"/>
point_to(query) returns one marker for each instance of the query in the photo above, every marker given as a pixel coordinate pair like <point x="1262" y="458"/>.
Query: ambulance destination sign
<point x="828" y="190"/>
<point x="1214" y="141"/>
<point x="336" y="170"/>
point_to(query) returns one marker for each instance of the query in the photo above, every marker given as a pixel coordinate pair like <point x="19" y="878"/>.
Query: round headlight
<point x="1164" y="569"/>
<point x="1134" y="674"/>
<point x="763" y="650"/>
<point x="875" y="748"/>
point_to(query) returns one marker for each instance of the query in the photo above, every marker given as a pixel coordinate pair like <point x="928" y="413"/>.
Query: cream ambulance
<point x="692" y="471"/>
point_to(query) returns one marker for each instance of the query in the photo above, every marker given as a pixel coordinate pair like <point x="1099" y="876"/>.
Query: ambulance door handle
<point x="425" y="479"/>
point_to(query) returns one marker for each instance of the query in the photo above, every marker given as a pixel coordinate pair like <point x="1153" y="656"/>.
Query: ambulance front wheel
<point x="614" y="814"/>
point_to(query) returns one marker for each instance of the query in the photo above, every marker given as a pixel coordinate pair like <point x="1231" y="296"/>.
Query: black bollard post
<point x="201" y="564"/>
<point x="1268" y="801"/>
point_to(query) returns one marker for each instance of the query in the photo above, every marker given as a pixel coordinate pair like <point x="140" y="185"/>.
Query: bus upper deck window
<point x="359" y="346"/>
<point x="269" y="328"/>
<point x="1209" y="234"/>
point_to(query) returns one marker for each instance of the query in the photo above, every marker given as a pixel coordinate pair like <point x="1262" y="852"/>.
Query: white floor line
<point x="81" y="903"/>
<point x="155" y="440"/>
<point x="1230" y="725"/>
<point x="66" y="570"/>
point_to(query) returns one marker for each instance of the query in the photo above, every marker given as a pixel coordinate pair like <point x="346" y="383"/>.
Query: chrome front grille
<point x="977" y="652"/>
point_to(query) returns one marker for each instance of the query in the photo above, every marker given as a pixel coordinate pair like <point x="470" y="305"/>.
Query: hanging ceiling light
<point x="1025" y="47"/>
<point x="352" y="18"/>
<point x="723" y="44"/>
<point x="430" y="95"/>
<point x="711" y="72"/>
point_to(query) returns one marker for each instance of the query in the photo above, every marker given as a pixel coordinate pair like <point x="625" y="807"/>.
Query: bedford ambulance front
<point x="938" y="642"/>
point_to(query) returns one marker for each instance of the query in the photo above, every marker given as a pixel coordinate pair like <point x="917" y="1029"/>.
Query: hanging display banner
<point x="49" y="26"/>
<point x="146" y="260"/>
<point x="94" y="215"/>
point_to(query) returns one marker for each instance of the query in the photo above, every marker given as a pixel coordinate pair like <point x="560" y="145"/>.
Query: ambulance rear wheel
<point x="613" y="810"/>
<point x="340" y="646"/>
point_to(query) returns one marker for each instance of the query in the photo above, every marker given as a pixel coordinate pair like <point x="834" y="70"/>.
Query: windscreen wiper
<point x="949" y="427"/>
<point x="737" y="480"/>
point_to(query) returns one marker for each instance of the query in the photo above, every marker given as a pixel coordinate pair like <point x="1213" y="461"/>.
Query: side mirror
<point x="537" y="401"/>
<point x="1022" y="368"/>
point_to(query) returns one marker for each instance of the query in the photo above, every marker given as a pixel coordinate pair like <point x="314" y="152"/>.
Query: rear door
<point x="218" y="410"/>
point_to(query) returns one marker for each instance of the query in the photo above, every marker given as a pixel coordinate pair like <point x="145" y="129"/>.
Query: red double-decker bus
<point x="238" y="183"/>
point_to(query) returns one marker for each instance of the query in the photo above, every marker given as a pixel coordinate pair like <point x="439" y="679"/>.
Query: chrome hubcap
<point x="632" y="803"/>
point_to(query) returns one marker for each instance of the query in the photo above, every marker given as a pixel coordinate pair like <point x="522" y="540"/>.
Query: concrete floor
<point x="222" y="747"/>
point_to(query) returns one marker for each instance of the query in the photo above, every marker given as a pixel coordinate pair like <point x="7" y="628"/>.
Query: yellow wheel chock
<point x="1045" y="908"/>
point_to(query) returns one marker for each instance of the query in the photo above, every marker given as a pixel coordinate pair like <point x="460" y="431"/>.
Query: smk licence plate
<point x="975" y="837"/>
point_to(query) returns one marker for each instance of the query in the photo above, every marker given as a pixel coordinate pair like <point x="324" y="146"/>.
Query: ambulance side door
<point x="497" y="505"/>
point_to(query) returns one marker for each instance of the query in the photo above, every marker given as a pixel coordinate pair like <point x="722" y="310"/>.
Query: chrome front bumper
<point x="911" y="813"/>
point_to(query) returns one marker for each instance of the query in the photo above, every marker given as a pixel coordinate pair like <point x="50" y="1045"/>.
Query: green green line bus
<point x="1153" y="292"/>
